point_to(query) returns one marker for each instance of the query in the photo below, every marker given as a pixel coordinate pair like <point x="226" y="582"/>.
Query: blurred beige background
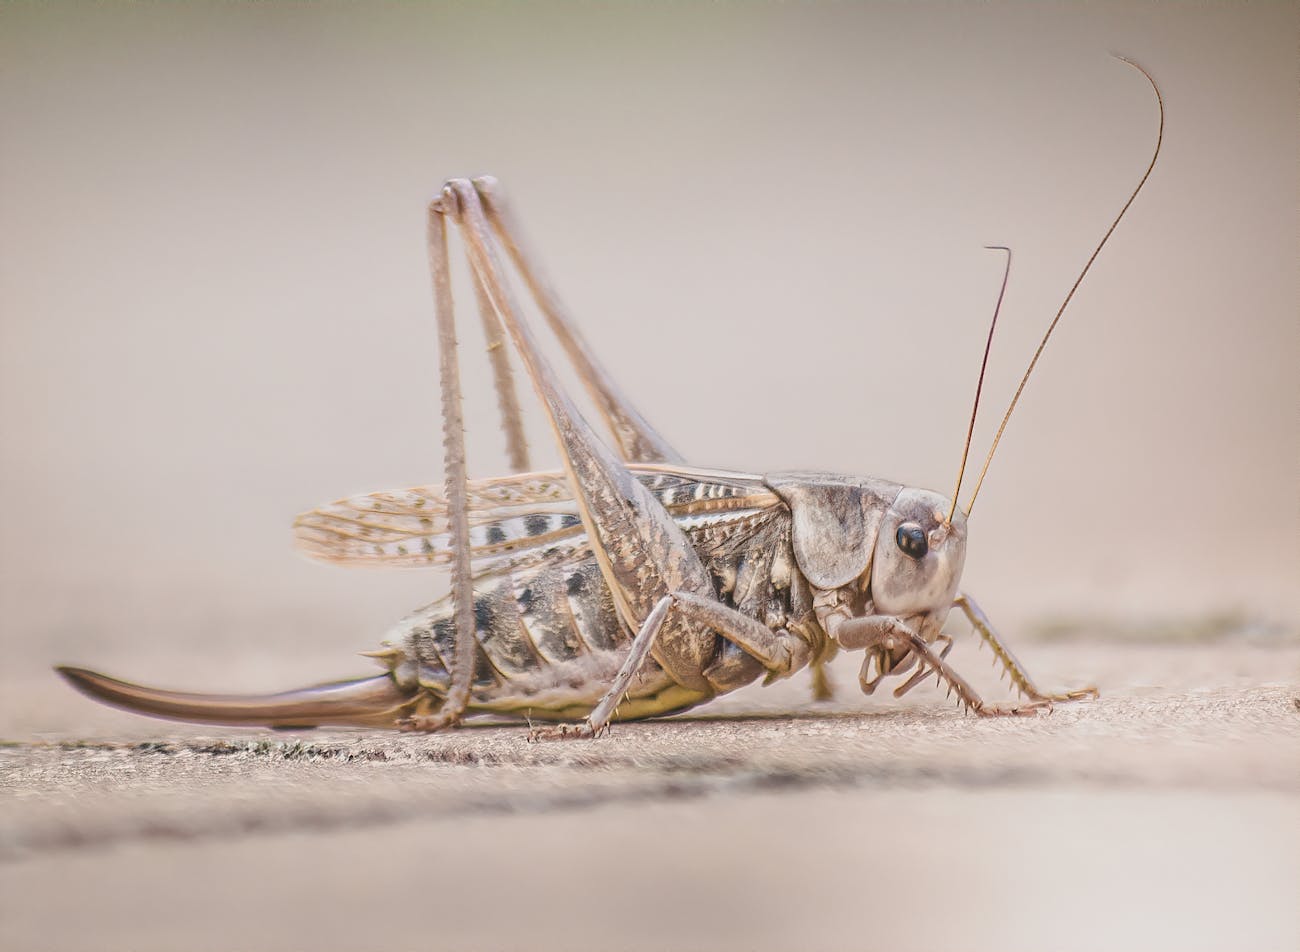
<point x="214" y="308"/>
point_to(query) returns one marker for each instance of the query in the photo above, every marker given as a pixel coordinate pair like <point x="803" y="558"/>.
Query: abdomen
<point x="549" y="639"/>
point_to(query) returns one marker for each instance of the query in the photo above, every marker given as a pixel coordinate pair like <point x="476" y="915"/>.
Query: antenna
<point x="979" y="387"/>
<point x="1160" y="134"/>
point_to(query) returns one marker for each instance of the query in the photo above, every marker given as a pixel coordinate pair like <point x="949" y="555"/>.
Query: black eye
<point x="911" y="540"/>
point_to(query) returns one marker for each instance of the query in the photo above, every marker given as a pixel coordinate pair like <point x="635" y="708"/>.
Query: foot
<point x="427" y="723"/>
<point x="583" y="731"/>
<point x="1027" y="709"/>
<point x="1083" y="694"/>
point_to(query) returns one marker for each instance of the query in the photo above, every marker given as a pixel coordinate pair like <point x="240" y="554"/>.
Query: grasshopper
<point x="630" y="584"/>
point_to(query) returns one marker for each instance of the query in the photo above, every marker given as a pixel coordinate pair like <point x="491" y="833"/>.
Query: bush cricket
<point x="630" y="584"/>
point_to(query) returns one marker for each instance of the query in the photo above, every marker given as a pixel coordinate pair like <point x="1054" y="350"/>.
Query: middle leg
<point x="780" y="652"/>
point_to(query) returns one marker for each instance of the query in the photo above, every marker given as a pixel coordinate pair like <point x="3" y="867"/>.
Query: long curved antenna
<point x="1160" y="134"/>
<point x="979" y="387"/>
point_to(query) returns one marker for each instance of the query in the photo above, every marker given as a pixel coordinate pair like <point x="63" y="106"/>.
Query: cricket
<point x="630" y="584"/>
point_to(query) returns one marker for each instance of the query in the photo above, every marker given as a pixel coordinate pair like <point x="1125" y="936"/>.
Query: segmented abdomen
<point x="550" y="639"/>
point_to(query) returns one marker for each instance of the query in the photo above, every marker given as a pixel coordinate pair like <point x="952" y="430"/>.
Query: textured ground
<point x="1165" y="815"/>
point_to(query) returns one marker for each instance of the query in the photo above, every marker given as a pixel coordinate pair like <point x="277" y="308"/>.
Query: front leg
<point x="891" y="633"/>
<point x="1015" y="670"/>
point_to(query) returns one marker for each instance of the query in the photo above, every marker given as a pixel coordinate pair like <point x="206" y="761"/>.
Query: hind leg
<point x="643" y="554"/>
<point x="635" y="439"/>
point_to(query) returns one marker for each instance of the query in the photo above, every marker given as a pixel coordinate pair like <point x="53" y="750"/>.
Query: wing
<point x="516" y="521"/>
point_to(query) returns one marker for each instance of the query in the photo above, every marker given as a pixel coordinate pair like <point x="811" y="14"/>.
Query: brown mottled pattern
<point x="550" y="637"/>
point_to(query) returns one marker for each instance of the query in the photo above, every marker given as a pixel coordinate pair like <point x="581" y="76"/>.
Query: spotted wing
<point x="517" y="521"/>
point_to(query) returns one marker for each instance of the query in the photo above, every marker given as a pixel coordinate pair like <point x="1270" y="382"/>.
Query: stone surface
<point x="1163" y="815"/>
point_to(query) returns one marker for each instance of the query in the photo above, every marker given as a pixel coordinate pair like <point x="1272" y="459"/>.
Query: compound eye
<point x="911" y="539"/>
